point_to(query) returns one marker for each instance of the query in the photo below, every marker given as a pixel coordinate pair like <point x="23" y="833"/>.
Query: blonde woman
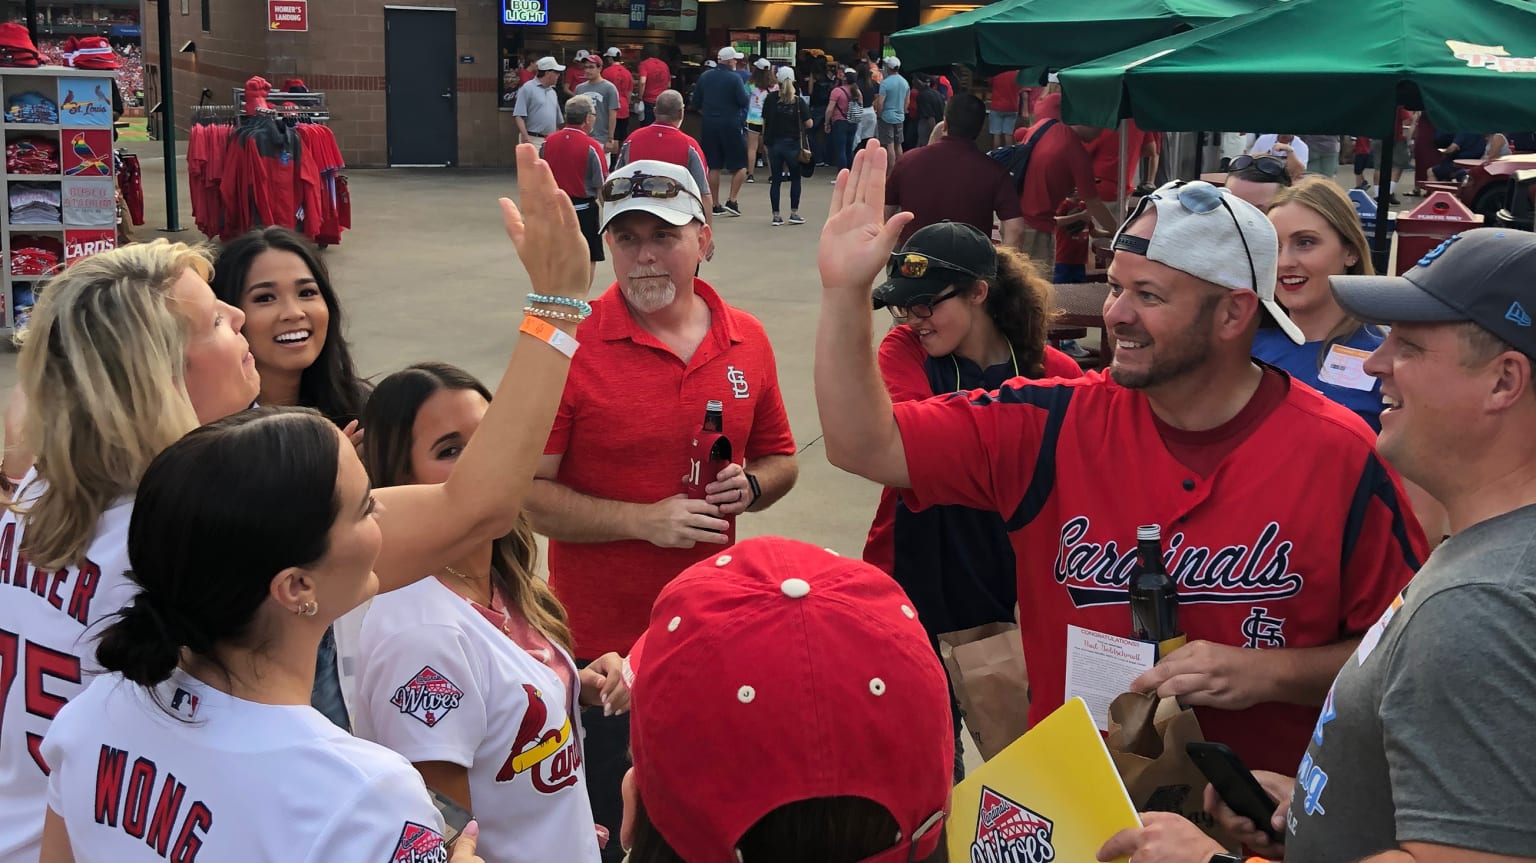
<point x="128" y="351"/>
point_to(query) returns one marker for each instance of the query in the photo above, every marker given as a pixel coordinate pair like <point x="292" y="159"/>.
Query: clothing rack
<point x="306" y="107"/>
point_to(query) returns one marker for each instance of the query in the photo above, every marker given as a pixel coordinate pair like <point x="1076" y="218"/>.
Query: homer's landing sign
<point x="288" y="15"/>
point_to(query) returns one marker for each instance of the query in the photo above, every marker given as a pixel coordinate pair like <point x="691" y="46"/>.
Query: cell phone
<point x="1235" y="784"/>
<point x="455" y="817"/>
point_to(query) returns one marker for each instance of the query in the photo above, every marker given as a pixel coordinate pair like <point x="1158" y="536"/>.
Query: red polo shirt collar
<point x="621" y="325"/>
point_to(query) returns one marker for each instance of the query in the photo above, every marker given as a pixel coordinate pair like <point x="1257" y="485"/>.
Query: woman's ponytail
<point x="140" y="645"/>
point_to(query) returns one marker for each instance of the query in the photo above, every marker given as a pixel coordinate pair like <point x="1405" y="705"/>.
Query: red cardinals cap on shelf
<point x="16" y="48"/>
<point x="777" y="672"/>
<point x="90" y="52"/>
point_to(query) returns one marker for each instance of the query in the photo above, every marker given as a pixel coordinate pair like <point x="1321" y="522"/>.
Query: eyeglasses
<point x="921" y="311"/>
<point x="1269" y="166"/>
<point x="1196" y="197"/>
<point x="643" y="186"/>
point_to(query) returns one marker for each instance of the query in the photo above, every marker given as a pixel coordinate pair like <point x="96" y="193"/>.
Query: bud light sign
<point x="525" y="12"/>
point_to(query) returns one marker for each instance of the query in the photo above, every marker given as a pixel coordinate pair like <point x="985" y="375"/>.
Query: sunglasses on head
<point x="1269" y="166"/>
<point x="915" y="265"/>
<point x="1196" y="197"/>
<point x="643" y="186"/>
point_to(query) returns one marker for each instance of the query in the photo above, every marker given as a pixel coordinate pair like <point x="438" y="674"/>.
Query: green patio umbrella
<point x="1016" y="34"/>
<point x="1321" y="66"/>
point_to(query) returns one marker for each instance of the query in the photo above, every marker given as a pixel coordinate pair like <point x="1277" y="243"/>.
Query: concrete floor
<point x="427" y="273"/>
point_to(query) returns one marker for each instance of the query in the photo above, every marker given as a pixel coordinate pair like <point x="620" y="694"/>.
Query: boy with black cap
<point x="1441" y="689"/>
<point x="1279" y="569"/>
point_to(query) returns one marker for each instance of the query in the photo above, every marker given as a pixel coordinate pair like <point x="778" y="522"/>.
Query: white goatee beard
<point x="650" y="298"/>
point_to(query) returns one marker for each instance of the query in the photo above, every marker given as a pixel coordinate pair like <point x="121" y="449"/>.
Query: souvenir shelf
<point x="74" y="210"/>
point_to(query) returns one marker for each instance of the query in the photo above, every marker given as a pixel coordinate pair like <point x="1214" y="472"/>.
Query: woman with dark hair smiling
<point x="293" y="321"/>
<point x="493" y="629"/>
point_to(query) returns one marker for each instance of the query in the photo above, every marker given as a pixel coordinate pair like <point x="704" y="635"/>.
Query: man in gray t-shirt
<point x="1422" y="749"/>
<point x="605" y="102"/>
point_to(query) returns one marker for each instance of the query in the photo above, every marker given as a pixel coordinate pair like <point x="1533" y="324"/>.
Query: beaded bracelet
<point x="553" y="315"/>
<point x="582" y="306"/>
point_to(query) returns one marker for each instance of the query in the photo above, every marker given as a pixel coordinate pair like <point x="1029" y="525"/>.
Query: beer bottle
<point x="1154" y="596"/>
<point x="709" y="452"/>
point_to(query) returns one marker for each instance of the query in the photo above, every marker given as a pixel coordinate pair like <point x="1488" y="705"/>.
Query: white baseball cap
<point x="762" y="63"/>
<point x="582" y="54"/>
<point x="685" y="207"/>
<point x="1216" y="236"/>
<point x="729" y="53"/>
<point x="893" y="62"/>
<point x="613" y="52"/>
<point x="785" y="74"/>
<point x="711" y="64"/>
<point x="548" y="64"/>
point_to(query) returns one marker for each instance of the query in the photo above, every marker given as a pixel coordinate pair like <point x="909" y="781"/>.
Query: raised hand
<point x="857" y="241"/>
<point x="545" y="231"/>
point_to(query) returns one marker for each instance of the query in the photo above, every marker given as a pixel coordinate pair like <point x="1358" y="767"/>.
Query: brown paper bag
<point x="1146" y="740"/>
<point x="986" y="667"/>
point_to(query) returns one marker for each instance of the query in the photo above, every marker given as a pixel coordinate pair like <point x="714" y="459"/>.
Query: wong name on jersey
<point x="126" y="797"/>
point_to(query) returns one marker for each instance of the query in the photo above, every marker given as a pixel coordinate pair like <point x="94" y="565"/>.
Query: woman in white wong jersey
<point x="129" y="350"/>
<point x="249" y="536"/>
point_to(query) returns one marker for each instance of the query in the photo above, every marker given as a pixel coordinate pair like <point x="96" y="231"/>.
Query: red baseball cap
<point x="90" y="52"/>
<point x="778" y="672"/>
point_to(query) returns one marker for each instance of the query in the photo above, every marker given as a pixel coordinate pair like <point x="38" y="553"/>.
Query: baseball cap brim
<point x="676" y="211"/>
<point x="903" y="292"/>
<point x="1390" y="299"/>
<point x="1278" y="315"/>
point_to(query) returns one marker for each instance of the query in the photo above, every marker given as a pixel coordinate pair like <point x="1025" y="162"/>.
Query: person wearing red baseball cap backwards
<point x="817" y="666"/>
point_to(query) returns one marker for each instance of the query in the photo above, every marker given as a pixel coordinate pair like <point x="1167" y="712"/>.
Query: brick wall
<point x="342" y="54"/>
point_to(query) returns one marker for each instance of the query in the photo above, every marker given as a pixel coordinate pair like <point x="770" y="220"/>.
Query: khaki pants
<point x="1040" y="246"/>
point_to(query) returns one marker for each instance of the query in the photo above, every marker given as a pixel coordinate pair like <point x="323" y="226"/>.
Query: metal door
<point x="421" y="80"/>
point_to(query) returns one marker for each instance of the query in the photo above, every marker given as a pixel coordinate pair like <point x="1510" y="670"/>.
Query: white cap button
<point x="746" y="694"/>
<point x="674" y="623"/>
<point x="876" y="686"/>
<point x="795" y="588"/>
<point x="722" y="560"/>
<point x="907" y="610"/>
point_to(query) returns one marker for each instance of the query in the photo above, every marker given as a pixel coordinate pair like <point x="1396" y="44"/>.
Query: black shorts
<point x="1364" y="161"/>
<point x="621" y="129"/>
<point x="590" y="216"/>
<point x="725" y="148"/>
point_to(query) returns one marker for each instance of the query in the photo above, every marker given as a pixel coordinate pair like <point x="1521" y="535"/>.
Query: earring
<point x="308" y="609"/>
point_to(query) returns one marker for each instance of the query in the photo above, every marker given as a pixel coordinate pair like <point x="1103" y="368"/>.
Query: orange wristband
<point x="550" y="335"/>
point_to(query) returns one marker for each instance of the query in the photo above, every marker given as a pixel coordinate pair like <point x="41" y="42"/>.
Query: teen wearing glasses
<point x="659" y="345"/>
<point x="1286" y="533"/>
<point x="970" y="316"/>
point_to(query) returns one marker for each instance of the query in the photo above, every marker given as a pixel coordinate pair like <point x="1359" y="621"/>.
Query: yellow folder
<point x="1052" y="795"/>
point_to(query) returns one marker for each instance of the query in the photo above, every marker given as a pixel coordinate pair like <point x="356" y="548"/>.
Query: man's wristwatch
<point x="757" y="490"/>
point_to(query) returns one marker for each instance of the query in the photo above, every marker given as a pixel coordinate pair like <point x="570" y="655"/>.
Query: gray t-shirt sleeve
<point x="696" y="168"/>
<point x="520" y="106"/>
<point x="1457" y="714"/>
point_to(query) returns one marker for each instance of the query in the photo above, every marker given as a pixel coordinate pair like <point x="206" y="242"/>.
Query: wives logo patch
<point x="429" y="696"/>
<point x="419" y="844"/>
<point x="1007" y="832"/>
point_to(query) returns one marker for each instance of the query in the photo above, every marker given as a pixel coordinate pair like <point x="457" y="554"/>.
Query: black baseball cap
<point x="934" y="258"/>
<point x="1485" y="275"/>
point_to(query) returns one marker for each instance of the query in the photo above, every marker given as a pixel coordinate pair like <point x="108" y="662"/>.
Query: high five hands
<point x="857" y="241"/>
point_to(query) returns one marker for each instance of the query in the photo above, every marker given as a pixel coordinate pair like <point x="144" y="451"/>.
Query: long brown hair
<point x="390" y="418"/>
<point x="1323" y="197"/>
<point x="1020" y="304"/>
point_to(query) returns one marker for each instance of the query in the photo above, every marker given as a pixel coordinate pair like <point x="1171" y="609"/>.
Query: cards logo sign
<point x="1007" y="832"/>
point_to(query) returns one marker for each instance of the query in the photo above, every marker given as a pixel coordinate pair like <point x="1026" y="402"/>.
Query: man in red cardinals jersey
<point x="665" y="141"/>
<point x="578" y="162"/>
<point x="1287" y="535"/>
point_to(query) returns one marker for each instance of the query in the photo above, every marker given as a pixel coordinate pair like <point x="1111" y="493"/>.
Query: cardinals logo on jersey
<point x="429" y="696"/>
<point x="551" y="756"/>
<point x="1098" y="573"/>
<point x="1007" y="832"/>
<point x="738" y="381"/>
<point x="419" y="844"/>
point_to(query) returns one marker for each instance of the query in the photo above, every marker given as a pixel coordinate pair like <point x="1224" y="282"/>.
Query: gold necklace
<point x="470" y="581"/>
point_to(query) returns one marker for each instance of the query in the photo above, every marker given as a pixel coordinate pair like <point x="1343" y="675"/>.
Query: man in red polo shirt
<point x="665" y="141"/>
<point x="658" y="346"/>
<point x="617" y="74"/>
<point x="953" y="181"/>
<point x="1058" y="167"/>
<point x="655" y="76"/>
<point x="578" y="162"/>
<point x="1104" y="150"/>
